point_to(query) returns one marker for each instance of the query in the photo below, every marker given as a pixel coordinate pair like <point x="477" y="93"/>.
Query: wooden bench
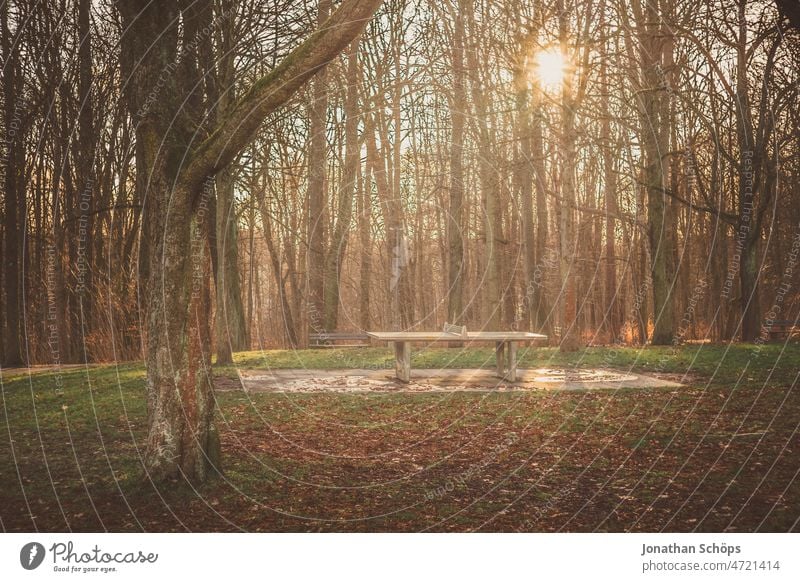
<point x="330" y="339"/>
<point x="781" y="329"/>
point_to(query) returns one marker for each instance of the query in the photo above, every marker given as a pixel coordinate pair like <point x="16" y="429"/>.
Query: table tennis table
<point x="505" y="347"/>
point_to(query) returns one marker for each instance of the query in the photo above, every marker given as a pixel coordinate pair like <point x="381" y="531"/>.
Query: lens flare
<point x="551" y="67"/>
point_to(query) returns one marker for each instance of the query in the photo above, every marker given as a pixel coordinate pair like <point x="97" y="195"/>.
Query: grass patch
<point x="744" y="363"/>
<point x="717" y="454"/>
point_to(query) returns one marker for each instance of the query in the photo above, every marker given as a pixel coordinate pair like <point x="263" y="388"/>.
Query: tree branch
<point x="267" y="94"/>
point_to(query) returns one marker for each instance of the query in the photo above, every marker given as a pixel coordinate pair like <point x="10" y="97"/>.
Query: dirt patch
<point x="455" y="380"/>
<point x="687" y="379"/>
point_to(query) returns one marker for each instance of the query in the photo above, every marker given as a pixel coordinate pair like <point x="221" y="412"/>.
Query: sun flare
<point x="551" y="66"/>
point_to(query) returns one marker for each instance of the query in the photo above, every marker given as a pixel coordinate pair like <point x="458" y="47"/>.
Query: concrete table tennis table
<point x="505" y="347"/>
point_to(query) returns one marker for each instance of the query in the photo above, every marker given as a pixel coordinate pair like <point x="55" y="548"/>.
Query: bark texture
<point x="176" y="181"/>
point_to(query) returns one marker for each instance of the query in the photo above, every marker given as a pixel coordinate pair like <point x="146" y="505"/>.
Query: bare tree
<point x="182" y="439"/>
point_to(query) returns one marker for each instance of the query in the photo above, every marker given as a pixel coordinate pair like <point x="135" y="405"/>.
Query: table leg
<point x="512" y="362"/>
<point x="402" y="361"/>
<point x="499" y="352"/>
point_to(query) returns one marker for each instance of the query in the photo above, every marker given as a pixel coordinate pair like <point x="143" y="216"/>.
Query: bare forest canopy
<point x="602" y="171"/>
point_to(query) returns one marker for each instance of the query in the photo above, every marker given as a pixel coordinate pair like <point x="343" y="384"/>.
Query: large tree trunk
<point x="611" y="303"/>
<point x="280" y="281"/>
<point x="401" y="254"/>
<point x="352" y="161"/>
<point x="524" y="182"/>
<point x="543" y="321"/>
<point x="659" y="222"/>
<point x="570" y="333"/>
<point x="654" y="131"/>
<point x="251" y="266"/>
<point x="392" y="213"/>
<point x="317" y="205"/>
<point x="182" y="440"/>
<point x="752" y="195"/>
<point x="488" y="170"/>
<point x="455" y="217"/>
<point x="570" y="324"/>
<point x="86" y="182"/>
<point x="13" y="198"/>
<point x="365" y="239"/>
<point x="231" y="327"/>
<point x="642" y="282"/>
<point x="748" y="286"/>
<point x="230" y="321"/>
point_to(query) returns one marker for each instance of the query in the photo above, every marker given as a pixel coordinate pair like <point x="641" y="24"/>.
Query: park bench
<point x="459" y="330"/>
<point x="333" y="339"/>
<point x="505" y="346"/>
<point x="782" y="329"/>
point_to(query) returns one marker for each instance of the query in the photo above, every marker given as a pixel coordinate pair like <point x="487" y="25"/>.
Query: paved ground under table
<point x="438" y="380"/>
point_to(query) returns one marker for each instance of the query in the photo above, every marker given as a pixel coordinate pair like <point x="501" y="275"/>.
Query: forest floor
<point x="721" y="452"/>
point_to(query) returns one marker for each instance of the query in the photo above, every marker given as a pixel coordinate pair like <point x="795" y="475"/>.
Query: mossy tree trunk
<point x="175" y="177"/>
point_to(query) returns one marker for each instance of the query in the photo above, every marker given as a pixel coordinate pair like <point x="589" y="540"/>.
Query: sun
<point x="551" y="67"/>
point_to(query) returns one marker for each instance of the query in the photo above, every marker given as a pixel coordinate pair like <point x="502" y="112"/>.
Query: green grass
<point x="719" y="453"/>
<point x="716" y="363"/>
